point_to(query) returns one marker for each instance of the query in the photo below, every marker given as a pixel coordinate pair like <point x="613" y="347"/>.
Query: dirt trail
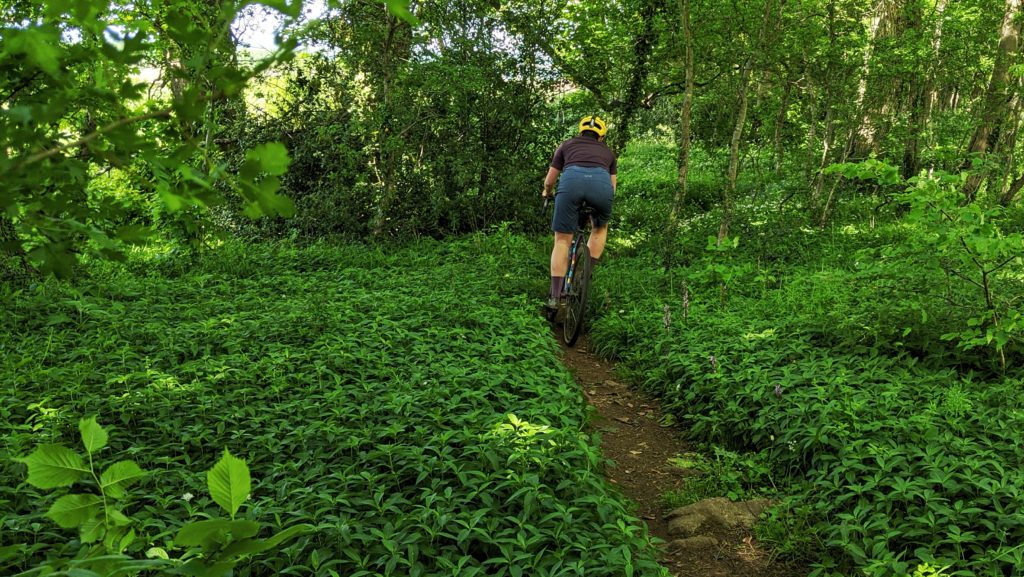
<point x="640" y="447"/>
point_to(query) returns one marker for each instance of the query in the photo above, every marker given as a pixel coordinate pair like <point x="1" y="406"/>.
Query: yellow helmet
<point x="595" y="124"/>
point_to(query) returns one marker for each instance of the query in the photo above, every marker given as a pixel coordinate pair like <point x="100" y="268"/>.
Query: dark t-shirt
<point x="584" y="151"/>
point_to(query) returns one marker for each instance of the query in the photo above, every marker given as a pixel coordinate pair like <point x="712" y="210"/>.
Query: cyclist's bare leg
<point x="595" y="243"/>
<point x="560" y="253"/>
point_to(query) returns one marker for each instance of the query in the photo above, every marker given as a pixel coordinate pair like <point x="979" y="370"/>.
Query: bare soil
<point x="640" y="447"/>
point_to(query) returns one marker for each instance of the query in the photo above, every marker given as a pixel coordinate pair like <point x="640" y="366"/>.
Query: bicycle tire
<point x="576" y="299"/>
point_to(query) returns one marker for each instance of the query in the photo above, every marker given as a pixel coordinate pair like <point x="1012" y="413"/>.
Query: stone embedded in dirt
<point x="612" y="383"/>
<point x="687" y="525"/>
<point x="716" y="513"/>
<point x="691" y="544"/>
<point x="622" y="420"/>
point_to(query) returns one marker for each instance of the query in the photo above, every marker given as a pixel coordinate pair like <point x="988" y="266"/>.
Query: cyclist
<point x="588" y="173"/>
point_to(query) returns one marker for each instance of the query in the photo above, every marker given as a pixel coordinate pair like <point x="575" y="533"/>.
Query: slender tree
<point x="994" y="106"/>
<point x="729" y="197"/>
<point x="685" y="113"/>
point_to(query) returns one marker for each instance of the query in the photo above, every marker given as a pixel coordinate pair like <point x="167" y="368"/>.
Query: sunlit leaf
<point x="94" y="437"/>
<point x="119" y="477"/>
<point x="51" y="466"/>
<point x="73" y="510"/>
<point x="229" y="482"/>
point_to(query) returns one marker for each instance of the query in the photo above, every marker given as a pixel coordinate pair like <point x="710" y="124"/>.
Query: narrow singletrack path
<point x="633" y="437"/>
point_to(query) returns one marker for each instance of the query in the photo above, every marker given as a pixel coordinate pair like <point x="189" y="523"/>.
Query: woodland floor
<point x="640" y="447"/>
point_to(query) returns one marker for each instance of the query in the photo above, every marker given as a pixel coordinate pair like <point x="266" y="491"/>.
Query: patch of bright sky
<point x="257" y="26"/>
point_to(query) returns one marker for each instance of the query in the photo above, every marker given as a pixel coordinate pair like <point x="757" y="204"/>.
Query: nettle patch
<point x="401" y="409"/>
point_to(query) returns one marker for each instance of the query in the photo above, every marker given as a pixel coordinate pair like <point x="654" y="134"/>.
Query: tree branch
<point x="1002" y="264"/>
<point x="44" y="154"/>
<point x="676" y="88"/>
<point x="958" y="274"/>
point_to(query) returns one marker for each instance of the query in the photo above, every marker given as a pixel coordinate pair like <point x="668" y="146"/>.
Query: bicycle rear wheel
<point x="576" y="298"/>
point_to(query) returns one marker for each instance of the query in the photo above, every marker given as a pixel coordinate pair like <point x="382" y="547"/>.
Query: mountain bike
<point x="577" y="278"/>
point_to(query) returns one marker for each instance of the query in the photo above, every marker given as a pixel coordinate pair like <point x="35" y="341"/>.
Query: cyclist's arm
<point x="549" y="180"/>
<point x="614" y="183"/>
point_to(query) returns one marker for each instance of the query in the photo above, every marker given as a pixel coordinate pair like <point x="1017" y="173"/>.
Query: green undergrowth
<point x="716" y="472"/>
<point x="835" y="358"/>
<point x="408" y="404"/>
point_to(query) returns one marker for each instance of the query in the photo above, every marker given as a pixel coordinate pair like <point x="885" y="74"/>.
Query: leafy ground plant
<point x="873" y="374"/>
<point x="370" y="394"/>
<point x="211" y="547"/>
<point x="717" y="472"/>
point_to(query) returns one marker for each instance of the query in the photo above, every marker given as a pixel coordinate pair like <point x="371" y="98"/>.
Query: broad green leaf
<point x="39" y="45"/>
<point x="10" y="551"/>
<point x="119" y="476"/>
<point x="198" y="568"/>
<point x="229" y="482"/>
<point x="135" y="233"/>
<point x="74" y="510"/>
<point x="272" y="158"/>
<point x="213" y="531"/>
<point x="92" y="530"/>
<point x="157" y="553"/>
<point x="94" y="437"/>
<point x="252" y="546"/>
<point x="126" y="540"/>
<point x="117" y="518"/>
<point x="201" y="533"/>
<point x="400" y="8"/>
<point x="51" y="466"/>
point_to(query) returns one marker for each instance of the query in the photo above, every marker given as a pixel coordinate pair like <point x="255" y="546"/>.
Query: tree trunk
<point x="387" y="157"/>
<point x="683" y="160"/>
<point x="994" y="106"/>
<point x="812" y="133"/>
<point x="828" y="101"/>
<point x="1006" y="149"/>
<point x="643" y="45"/>
<point x="922" y="98"/>
<point x="863" y="135"/>
<point x="933" y="94"/>
<point x="879" y="88"/>
<point x="1012" y="191"/>
<point x="780" y="121"/>
<point x="826" y="152"/>
<point x="14" y="263"/>
<point x="729" y="200"/>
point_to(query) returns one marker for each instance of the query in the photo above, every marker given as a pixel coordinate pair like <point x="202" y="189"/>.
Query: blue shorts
<point x="579" y="184"/>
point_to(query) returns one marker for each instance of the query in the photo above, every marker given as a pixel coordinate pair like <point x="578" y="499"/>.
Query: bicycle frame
<point x="578" y="237"/>
<point x="570" y="273"/>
